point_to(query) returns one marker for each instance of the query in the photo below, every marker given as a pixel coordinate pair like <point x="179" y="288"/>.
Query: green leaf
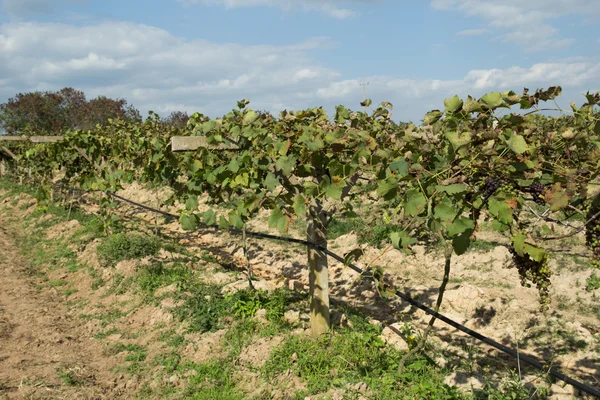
<point x="191" y="204"/>
<point x="519" y="243"/>
<point x="400" y="167"/>
<point x="299" y="205"/>
<point x="557" y="199"/>
<point x="458" y="139"/>
<point x="249" y="117"/>
<point x="499" y="226"/>
<point x="444" y="211"/>
<point x="387" y="188"/>
<point x="535" y="253"/>
<point x="461" y="243"/>
<point x="209" y="217"/>
<point x="414" y="203"/>
<point x="278" y="220"/>
<point x="459" y="226"/>
<point x="188" y="222"/>
<point x="236" y="220"/>
<point x="500" y="210"/>
<point x="517" y="144"/>
<point x="401" y="239"/>
<point x="353" y="255"/>
<point x="492" y="100"/>
<point x="453" y="104"/>
<point x="234" y="165"/>
<point x="286" y="164"/>
<point x="223" y="223"/>
<point x="334" y="188"/>
<point x="452" y="189"/>
<point x="472" y="105"/>
<point x="432" y="117"/>
<point x="271" y="182"/>
<point x="366" y="103"/>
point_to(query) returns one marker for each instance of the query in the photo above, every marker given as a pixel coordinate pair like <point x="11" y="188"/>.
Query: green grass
<point x="153" y="276"/>
<point x="592" y="282"/>
<point x="127" y="246"/>
<point x="354" y="356"/>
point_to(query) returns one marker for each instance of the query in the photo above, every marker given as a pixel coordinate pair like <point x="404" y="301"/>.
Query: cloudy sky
<point x="204" y="55"/>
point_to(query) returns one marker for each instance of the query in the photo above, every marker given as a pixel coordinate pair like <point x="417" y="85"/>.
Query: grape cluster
<point x="592" y="233"/>
<point x="490" y="186"/>
<point x="536" y="272"/>
<point x="537" y="190"/>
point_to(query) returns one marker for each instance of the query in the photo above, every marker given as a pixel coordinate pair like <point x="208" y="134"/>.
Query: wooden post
<point x="318" y="271"/>
<point x="190" y="143"/>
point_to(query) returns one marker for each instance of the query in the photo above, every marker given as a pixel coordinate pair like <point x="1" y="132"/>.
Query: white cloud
<point x="526" y="23"/>
<point x="332" y="8"/>
<point x="473" y="32"/>
<point x="155" y="70"/>
<point x="27" y="8"/>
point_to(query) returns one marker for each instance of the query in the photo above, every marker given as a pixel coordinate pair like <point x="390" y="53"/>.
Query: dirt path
<point x="44" y="352"/>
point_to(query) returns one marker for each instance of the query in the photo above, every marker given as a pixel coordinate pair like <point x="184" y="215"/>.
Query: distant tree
<point x="51" y="113"/>
<point x="177" y="119"/>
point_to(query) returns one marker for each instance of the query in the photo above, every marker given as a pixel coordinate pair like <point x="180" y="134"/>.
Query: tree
<point x="177" y="119"/>
<point x="51" y="113"/>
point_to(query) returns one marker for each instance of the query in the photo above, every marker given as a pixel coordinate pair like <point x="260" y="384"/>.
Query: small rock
<point x="361" y="387"/>
<point x="296" y="285"/>
<point x="375" y="322"/>
<point x="563" y="393"/>
<point x="464" y="381"/>
<point x="261" y="315"/>
<point x="292" y="317"/>
<point x="368" y="294"/>
<point x="441" y="362"/>
<point x="174" y="379"/>
<point x="391" y="336"/>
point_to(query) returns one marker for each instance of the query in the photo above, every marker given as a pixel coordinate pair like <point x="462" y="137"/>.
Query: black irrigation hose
<point x="527" y="359"/>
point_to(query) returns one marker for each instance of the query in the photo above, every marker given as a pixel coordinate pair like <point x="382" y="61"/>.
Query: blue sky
<point x="203" y="55"/>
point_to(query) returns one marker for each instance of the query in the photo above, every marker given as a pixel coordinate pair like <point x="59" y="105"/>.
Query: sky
<point x="204" y="55"/>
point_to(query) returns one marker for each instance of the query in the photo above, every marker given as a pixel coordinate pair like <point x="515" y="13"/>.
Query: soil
<point x="42" y="340"/>
<point x="45" y="353"/>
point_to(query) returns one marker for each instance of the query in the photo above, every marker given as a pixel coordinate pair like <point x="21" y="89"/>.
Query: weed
<point x="592" y="282"/>
<point x="106" y="333"/>
<point x="70" y="376"/>
<point x="155" y="275"/>
<point x="127" y="246"/>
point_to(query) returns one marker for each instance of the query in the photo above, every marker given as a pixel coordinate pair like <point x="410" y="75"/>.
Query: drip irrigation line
<point x="533" y="361"/>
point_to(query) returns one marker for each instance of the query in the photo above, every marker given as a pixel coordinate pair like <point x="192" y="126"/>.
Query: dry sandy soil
<point x="41" y="340"/>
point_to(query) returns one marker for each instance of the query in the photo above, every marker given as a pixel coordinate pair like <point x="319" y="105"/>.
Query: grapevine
<point x="536" y="272"/>
<point x="592" y="233"/>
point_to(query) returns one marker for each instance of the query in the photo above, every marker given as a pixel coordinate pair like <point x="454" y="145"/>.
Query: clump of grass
<point x="127" y="246"/>
<point x="156" y="275"/>
<point x="592" y="282"/>
<point x="353" y="356"/>
<point x="204" y="306"/>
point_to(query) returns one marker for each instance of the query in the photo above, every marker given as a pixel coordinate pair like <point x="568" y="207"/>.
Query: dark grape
<point x="536" y="272"/>
<point x="491" y="185"/>
<point x="592" y="233"/>
<point x="537" y="190"/>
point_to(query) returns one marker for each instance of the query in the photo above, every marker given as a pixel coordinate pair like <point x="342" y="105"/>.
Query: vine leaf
<point x="278" y="220"/>
<point x="415" y="201"/>
<point x="453" y="104"/>
<point x="462" y="242"/>
<point x="401" y="239"/>
<point x="188" y="222"/>
<point x="191" y="203"/>
<point x="517" y="144"/>
<point x="556" y="197"/>
<point x="492" y="100"/>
